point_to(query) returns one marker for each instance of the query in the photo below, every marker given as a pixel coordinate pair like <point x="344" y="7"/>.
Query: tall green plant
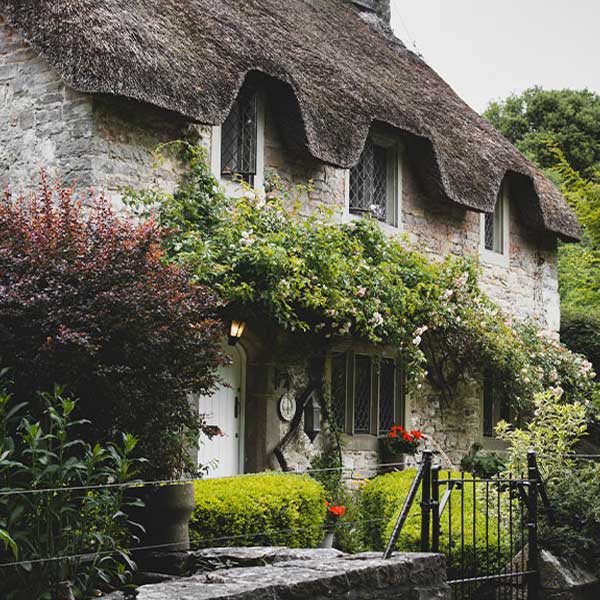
<point x="58" y="536"/>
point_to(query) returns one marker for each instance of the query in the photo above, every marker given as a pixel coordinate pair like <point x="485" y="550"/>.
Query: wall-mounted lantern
<point x="236" y="331"/>
<point x="312" y="416"/>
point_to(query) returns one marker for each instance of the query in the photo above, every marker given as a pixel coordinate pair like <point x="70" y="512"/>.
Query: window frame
<point x="399" y="409"/>
<point x="394" y="183"/>
<point x="491" y="442"/>
<point x="231" y="187"/>
<point x="492" y="256"/>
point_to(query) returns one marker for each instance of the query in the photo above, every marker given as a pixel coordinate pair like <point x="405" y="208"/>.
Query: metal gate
<point x="487" y="529"/>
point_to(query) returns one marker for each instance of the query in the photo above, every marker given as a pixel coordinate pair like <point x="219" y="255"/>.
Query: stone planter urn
<point x="165" y="516"/>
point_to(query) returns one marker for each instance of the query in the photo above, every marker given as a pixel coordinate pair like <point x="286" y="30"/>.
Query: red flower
<point x="407" y="437"/>
<point x="393" y="434"/>
<point x="418" y="435"/>
<point x="337" y="511"/>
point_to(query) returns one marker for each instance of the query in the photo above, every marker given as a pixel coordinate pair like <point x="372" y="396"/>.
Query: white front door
<point x="222" y="454"/>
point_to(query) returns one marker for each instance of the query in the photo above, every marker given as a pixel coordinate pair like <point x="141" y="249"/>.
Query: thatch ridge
<point x="346" y="71"/>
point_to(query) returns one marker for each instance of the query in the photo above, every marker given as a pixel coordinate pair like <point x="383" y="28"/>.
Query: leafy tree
<point x="87" y="299"/>
<point x="570" y="119"/>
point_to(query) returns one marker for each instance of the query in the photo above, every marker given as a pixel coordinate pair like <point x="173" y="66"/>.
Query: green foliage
<point x="579" y="331"/>
<point x="264" y="510"/>
<point x="569" y="118"/>
<point x="484" y="466"/>
<point x="47" y="454"/>
<point x="552" y="433"/>
<point x="267" y="260"/>
<point x="575" y="501"/>
<point x="384" y="496"/>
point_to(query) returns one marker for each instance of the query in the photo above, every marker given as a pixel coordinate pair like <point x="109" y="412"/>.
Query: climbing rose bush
<point x="87" y="299"/>
<point x="322" y="279"/>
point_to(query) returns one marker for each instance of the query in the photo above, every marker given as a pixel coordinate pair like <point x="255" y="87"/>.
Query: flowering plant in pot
<point x="334" y="512"/>
<point x="398" y="443"/>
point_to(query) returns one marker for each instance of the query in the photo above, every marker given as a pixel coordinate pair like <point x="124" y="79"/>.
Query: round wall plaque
<point x="287" y="407"/>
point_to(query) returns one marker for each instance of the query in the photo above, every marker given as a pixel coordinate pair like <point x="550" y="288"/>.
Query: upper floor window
<point x="495" y="406"/>
<point x="494" y="229"/>
<point x="239" y="139"/>
<point x="366" y="392"/>
<point x="375" y="181"/>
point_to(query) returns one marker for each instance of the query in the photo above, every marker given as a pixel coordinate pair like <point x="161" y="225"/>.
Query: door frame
<point x="242" y="428"/>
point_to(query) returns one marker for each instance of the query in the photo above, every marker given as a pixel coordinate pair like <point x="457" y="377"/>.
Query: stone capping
<point x="282" y="574"/>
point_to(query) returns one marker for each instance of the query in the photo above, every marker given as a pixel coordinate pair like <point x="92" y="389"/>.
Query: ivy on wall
<point x="323" y="280"/>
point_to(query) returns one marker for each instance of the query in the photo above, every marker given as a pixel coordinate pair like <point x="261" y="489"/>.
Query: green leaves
<point x="46" y="514"/>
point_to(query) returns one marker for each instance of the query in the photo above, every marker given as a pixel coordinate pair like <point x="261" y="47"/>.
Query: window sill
<point x="492" y="444"/>
<point x="488" y="257"/>
<point x="390" y="230"/>
<point x="361" y="442"/>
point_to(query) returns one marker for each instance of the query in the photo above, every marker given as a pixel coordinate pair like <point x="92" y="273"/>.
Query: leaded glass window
<point x="362" y="394"/>
<point x="239" y="138"/>
<point x="373" y="183"/>
<point x="387" y="393"/>
<point x="338" y="390"/>
<point x="495" y="405"/>
<point x="366" y="393"/>
<point x="494" y="227"/>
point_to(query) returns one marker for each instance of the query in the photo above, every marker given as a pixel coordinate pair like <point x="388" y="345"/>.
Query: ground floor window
<point x="495" y="405"/>
<point x="367" y="392"/>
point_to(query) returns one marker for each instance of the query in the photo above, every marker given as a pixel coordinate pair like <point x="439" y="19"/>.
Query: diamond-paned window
<point x="494" y="227"/>
<point x="373" y="183"/>
<point x="338" y="390"/>
<point x="239" y="138"/>
<point x="387" y="393"/>
<point x="362" y="394"/>
<point x="495" y="406"/>
<point x="360" y="384"/>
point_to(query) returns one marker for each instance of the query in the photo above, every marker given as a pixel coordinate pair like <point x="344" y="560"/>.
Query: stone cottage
<point x="312" y="90"/>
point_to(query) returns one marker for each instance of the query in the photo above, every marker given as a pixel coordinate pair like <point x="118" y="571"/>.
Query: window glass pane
<point x="362" y="394"/>
<point x="338" y="390"/>
<point x="488" y="406"/>
<point x="494" y="228"/>
<point x="239" y="138"/>
<point x="370" y="182"/>
<point x="387" y="394"/>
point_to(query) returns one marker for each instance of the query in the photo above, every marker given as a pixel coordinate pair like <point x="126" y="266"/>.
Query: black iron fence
<point x="487" y="528"/>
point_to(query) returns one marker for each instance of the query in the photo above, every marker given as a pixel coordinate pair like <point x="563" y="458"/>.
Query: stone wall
<point x="105" y="143"/>
<point x="282" y="574"/>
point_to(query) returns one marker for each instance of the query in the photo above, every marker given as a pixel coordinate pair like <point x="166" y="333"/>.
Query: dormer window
<point x="239" y="139"/>
<point x="375" y="181"/>
<point x="495" y="230"/>
<point x="238" y="146"/>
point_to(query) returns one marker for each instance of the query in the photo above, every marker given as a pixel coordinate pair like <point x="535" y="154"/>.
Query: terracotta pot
<point x="165" y="516"/>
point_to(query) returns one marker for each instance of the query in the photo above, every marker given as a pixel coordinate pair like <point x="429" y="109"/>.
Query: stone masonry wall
<point x="107" y="144"/>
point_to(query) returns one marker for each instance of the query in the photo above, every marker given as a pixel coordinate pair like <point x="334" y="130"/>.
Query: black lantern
<point x="236" y="331"/>
<point x="312" y="416"/>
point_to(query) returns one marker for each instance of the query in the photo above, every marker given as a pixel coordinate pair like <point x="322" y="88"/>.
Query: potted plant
<point x="334" y="512"/>
<point x="396" y="445"/>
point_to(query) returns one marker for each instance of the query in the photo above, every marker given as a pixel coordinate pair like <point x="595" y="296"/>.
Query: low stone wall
<point x="282" y="574"/>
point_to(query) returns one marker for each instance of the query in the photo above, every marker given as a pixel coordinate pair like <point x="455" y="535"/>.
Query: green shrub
<point x="259" y="510"/>
<point x="384" y="496"/>
<point x="579" y="332"/>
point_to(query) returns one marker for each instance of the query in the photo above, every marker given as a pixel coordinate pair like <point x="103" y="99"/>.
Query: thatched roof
<point x="345" y="72"/>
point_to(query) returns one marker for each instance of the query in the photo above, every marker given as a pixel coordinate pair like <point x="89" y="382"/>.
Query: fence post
<point x="435" y="508"/>
<point x="532" y="559"/>
<point x="426" y="501"/>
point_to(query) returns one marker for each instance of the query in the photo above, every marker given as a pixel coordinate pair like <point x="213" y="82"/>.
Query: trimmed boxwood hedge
<point x="258" y="510"/>
<point x="382" y="500"/>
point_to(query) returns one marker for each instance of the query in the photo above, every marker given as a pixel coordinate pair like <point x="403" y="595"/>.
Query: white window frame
<point x="394" y="183"/>
<point x="490" y="256"/>
<point x="233" y="188"/>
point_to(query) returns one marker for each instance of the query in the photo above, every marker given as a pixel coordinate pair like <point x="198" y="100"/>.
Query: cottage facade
<point x="316" y="91"/>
